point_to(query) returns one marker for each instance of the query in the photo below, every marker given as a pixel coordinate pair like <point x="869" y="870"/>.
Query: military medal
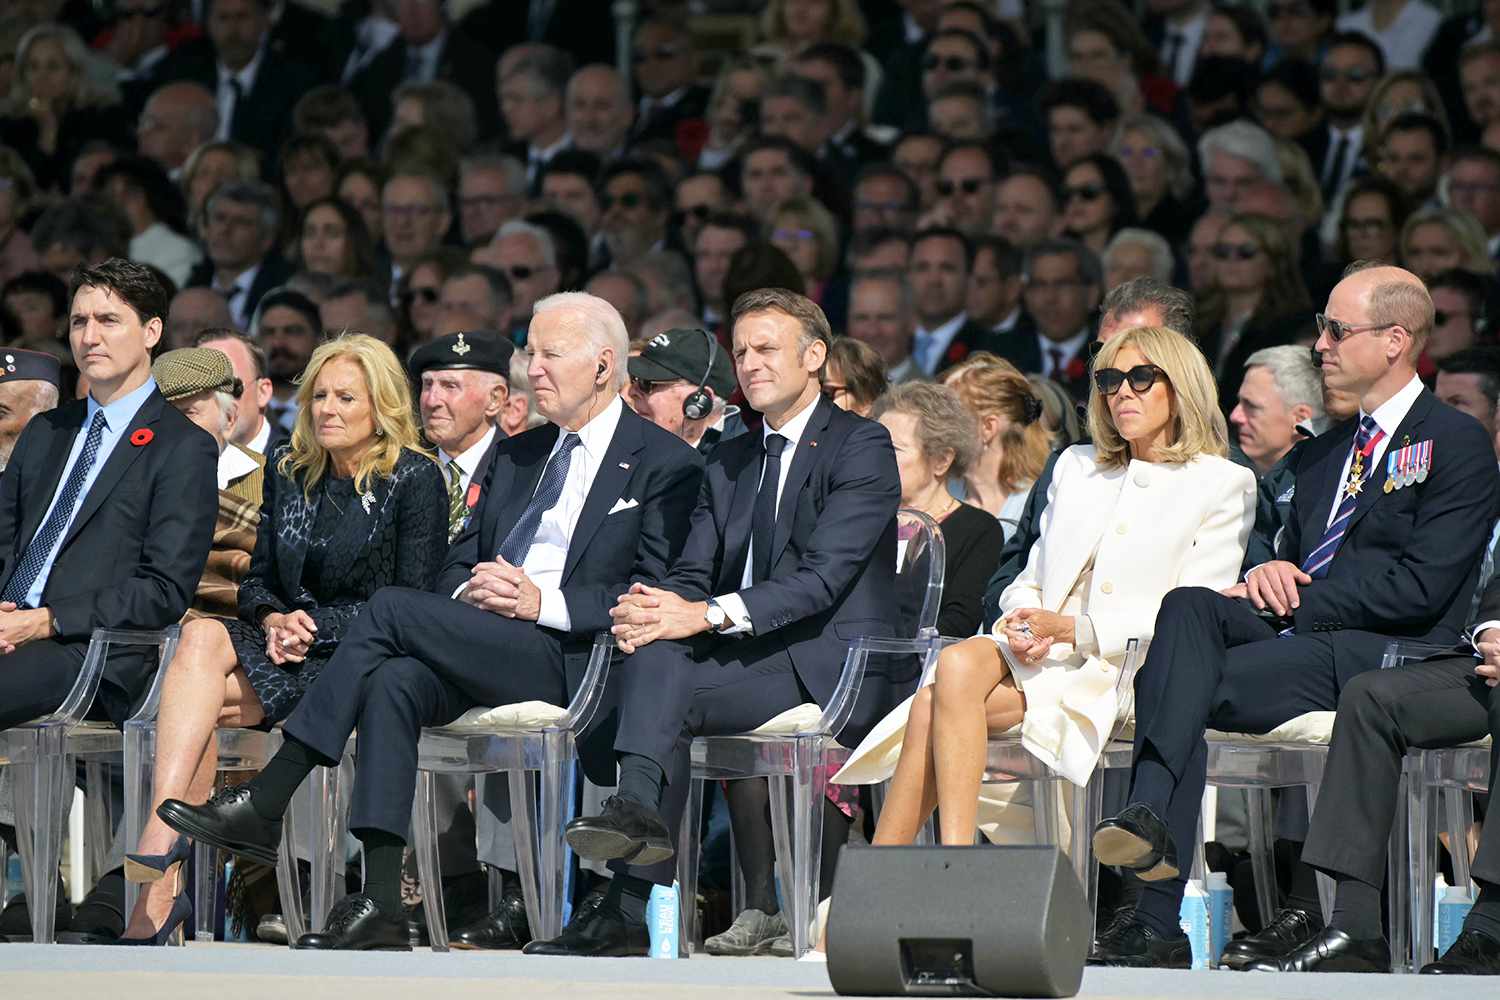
<point x="1407" y="465"/>
<point x="1356" y="481"/>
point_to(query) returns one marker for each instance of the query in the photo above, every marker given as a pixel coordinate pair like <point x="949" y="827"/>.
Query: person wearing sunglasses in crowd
<point x="1050" y="665"/>
<point x="1379" y="545"/>
<point x="1097" y="201"/>
<point x="854" y="376"/>
<point x="527" y="255"/>
<point x="1347" y="74"/>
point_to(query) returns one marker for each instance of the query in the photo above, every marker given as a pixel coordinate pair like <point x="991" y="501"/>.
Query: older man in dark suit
<point x="1380" y="545"/>
<point x="791" y="554"/>
<point x="106" y="508"/>
<point x="575" y="512"/>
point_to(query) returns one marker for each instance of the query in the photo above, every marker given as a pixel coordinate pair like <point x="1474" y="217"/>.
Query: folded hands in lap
<point x="289" y="636"/>
<point x="1031" y="632"/>
<point x="645" y="614"/>
<point x="505" y="590"/>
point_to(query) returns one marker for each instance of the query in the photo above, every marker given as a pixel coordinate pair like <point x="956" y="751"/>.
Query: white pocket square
<point x="623" y="505"/>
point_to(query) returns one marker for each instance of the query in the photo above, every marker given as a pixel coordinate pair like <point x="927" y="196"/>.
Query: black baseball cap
<point x="684" y="353"/>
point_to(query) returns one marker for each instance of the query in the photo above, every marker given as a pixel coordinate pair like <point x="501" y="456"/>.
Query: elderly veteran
<point x="201" y="383"/>
<point x="29" y="382"/>
<point x="680" y="382"/>
<point x="461" y="381"/>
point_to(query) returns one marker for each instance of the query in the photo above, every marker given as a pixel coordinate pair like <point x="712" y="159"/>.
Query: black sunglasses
<point x="1337" y="331"/>
<point x="1231" y="251"/>
<point x="427" y="295"/>
<point x="520" y="271"/>
<point x="1088" y="192"/>
<point x="699" y="212"/>
<point x="1141" y="379"/>
<point x="648" y="386"/>
<point x="952" y="64"/>
<point x="969" y="185"/>
<point x="630" y="199"/>
<point x="1442" y="317"/>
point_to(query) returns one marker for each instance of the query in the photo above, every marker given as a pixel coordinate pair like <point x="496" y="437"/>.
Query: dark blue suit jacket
<point x="1408" y="562"/>
<point x="833" y="572"/>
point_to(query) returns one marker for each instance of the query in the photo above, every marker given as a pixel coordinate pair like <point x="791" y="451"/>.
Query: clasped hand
<point x="1272" y="585"/>
<point x="503" y="589"/>
<point x="1032" y="631"/>
<point x="18" y="626"/>
<point x="644" y="614"/>
<point x="1489" y="648"/>
<point x="289" y="636"/>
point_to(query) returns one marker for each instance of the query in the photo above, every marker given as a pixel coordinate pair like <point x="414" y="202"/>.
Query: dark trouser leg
<point x="36" y="678"/>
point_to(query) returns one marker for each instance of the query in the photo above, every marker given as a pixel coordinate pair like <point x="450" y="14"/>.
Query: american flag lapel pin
<point x="625" y="466"/>
<point x="812" y="444"/>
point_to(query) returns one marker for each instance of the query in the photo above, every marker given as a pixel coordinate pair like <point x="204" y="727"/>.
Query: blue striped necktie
<point x="548" y="491"/>
<point x="1365" y="439"/>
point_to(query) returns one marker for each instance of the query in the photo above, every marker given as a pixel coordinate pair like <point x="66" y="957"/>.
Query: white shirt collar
<point x="1388" y="415"/>
<point x="262" y="437"/>
<point x="793" y="429"/>
<point x="911" y="30"/>
<point x="431" y="50"/>
<point x="246" y="75"/>
<point x="536" y="155"/>
<point x="594" y="436"/>
<point x="234" y="464"/>
<point x="468" y="460"/>
<point x="1069" y="347"/>
<point x="1009" y="322"/>
<point x="665" y="101"/>
<point x="898" y="372"/>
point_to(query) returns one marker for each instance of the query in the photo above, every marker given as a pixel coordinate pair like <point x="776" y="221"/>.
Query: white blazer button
<point x="1142" y="478"/>
<point x="1120" y="529"/>
<point x="1106" y="587"/>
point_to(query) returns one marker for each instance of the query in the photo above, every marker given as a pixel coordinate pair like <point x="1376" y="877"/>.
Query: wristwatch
<point x="716" y="616"/>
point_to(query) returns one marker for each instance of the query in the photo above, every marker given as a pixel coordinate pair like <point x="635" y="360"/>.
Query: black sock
<point x="1303" y="892"/>
<point x="750" y="819"/>
<point x="641" y="779"/>
<point x="1153" y="782"/>
<point x="1485" y="916"/>
<point x="629" y="894"/>
<point x="1159" y="907"/>
<point x="383" y="854"/>
<point x="272" y="789"/>
<point x="836" y="828"/>
<point x="1356" y="908"/>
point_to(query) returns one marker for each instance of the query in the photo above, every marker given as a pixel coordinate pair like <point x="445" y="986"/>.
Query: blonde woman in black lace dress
<point x="351" y="505"/>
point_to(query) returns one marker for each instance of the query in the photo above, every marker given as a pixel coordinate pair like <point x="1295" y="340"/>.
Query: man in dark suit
<point x="938" y="272"/>
<point x="574" y="513"/>
<point x="428" y="49"/>
<point x="672" y="106"/>
<point x="107" y="508"/>
<point x="1444" y="701"/>
<point x="240" y="227"/>
<point x="1138" y="302"/>
<point x="1062" y="282"/>
<point x="791" y="554"/>
<point x="1369" y="554"/>
<point x="252" y="82"/>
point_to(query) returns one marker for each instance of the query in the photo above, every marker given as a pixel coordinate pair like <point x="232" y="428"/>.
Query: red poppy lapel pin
<point x="473" y="496"/>
<point x="142" y="437"/>
<point x="957" y="352"/>
<point x="1076" y="369"/>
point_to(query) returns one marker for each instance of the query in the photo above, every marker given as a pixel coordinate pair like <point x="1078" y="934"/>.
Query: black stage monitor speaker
<point x="957" y="921"/>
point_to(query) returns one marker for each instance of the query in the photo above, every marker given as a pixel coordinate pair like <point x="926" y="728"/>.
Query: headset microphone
<point x="698" y="403"/>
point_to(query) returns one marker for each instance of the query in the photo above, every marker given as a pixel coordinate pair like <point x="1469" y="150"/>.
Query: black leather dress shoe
<point x="1471" y="954"/>
<point x="625" y="831"/>
<point x="600" y="932"/>
<point x="504" y="927"/>
<point x="1137" y="840"/>
<point x="1291" y="929"/>
<point x="228" y="821"/>
<point x="1331" y="951"/>
<point x="1130" y="942"/>
<point x="100" y="918"/>
<point x="356" y="923"/>
<point x="15" y="919"/>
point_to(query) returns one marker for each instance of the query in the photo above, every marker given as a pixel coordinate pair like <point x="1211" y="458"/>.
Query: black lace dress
<point x="327" y="556"/>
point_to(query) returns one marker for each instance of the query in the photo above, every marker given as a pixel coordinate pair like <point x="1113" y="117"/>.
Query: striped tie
<point x="1365" y="439"/>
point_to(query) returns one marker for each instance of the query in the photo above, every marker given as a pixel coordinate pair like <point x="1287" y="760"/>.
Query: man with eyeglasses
<point x="1379" y="545"/>
<point x="415" y="215"/>
<point x="525" y="254"/>
<point x="239" y="231"/>
<point x="491" y="192"/>
<point x="1350" y="68"/>
<point x="884" y="198"/>
<point x="1473" y="179"/>
<point x="666" y="74"/>
<point x="1062" y="282"/>
<point x="635" y="203"/>
<point x="966" y="188"/>
<point x="666" y="376"/>
<point x="696" y="198"/>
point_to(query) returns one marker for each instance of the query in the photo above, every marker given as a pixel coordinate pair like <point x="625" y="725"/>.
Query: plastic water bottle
<point x="1452" y="907"/>
<point x="662" y="922"/>
<point x="1439" y="890"/>
<point x="1220" y="914"/>
<point x="1193" y="919"/>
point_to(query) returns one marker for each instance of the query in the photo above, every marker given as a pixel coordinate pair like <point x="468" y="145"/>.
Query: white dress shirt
<point x="262" y="438"/>
<point x="225" y="94"/>
<point x="237" y="296"/>
<point x="1067" y="348"/>
<point x="1191" y="32"/>
<point x="1354" y="143"/>
<point x="792" y="430"/>
<point x="117" y="417"/>
<point x="929" y="346"/>
<point x="425" y="60"/>
<point x="468" y="460"/>
<point x="549" y="549"/>
<point x="1388" y="417"/>
<point x="904" y="371"/>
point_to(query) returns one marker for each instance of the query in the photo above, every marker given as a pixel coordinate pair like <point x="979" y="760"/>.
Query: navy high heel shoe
<point x="151" y="867"/>
<point x="182" y="909"/>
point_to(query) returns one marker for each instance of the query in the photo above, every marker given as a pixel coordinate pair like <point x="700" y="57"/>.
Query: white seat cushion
<point x="1312" y="728"/>
<point x="522" y="715"/>
<point x="793" y="720"/>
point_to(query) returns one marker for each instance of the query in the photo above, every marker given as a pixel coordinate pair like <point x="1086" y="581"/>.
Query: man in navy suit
<point x="791" y="554"/>
<point x="1380" y="544"/>
<point x="107" y="508"/>
<point x="574" y="512"/>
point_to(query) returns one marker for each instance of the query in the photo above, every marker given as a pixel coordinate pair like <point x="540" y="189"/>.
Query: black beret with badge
<point x="21" y="366"/>
<point x="686" y="353"/>
<point x="481" y="350"/>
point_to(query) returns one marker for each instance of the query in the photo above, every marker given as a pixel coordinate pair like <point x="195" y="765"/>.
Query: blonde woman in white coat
<point x="1152" y="505"/>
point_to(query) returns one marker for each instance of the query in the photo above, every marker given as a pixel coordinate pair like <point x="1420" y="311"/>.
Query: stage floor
<point x="231" y="972"/>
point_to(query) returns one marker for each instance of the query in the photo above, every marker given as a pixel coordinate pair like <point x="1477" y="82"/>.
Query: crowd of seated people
<point x="381" y="345"/>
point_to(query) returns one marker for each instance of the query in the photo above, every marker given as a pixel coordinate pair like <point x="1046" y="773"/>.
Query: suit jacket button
<point x="1106" y="587"/>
